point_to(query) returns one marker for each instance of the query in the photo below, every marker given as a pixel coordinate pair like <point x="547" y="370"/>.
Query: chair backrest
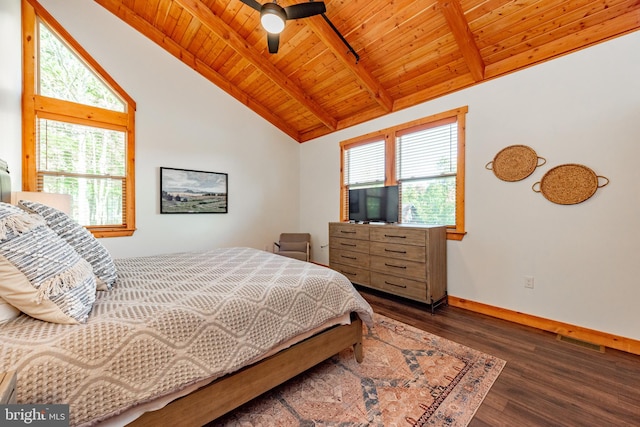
<point x="295" y="237"/>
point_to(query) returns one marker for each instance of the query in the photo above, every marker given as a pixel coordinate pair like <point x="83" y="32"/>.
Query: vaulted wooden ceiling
<point x="409" y="51"/>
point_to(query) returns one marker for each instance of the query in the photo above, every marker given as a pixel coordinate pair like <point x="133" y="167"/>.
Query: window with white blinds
<point x="426" y="167"/>
<point x="87" y="163"/>
<point x="424" y="158"/>
<point x="364" y="164"/>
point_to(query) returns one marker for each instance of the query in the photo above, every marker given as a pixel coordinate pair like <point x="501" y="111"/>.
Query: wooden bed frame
<point x="229" y="392"/>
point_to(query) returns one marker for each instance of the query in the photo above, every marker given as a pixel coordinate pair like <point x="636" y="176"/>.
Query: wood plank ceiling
<point x="409" y="51"/>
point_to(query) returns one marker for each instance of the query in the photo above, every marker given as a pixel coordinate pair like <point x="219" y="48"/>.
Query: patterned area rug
<point x="408" y="378"/>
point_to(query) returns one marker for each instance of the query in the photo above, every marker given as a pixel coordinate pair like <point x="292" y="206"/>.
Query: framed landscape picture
<point x="190" y="191"/>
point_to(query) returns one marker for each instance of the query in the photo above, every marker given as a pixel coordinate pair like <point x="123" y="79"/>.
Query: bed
<point x="181" y="339"/>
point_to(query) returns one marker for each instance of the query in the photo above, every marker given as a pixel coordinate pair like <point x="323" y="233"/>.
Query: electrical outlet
<point x="528" y="282"/>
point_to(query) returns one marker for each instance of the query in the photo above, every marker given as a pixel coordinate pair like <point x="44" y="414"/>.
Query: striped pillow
<point x="40" y="274"/>
<point x="80" y="239"/>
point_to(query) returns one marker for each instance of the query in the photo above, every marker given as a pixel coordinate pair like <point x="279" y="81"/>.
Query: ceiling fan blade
<point x="252" y="4"/>
<point x="304" y="10"/>
<point x="273" y="40"/>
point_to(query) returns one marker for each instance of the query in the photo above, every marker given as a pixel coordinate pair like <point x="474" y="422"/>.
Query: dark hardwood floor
<point x="545" y="382"/>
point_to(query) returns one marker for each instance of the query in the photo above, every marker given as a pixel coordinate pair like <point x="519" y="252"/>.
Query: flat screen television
<point x="374" y="204"/>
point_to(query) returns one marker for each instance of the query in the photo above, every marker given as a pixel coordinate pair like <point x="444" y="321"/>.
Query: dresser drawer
<point x="400" y="286"/>
<point x="341" y="243"/>
<point x="356" y="259"/>
<point x="394" y="250"/>
<point x="350" y="231"/>
<point x="354" y="274"/>
<point x="394" y="234"/>
<point x="399" y="267"/>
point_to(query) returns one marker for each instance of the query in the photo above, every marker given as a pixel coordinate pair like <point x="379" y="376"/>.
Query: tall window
<point x="424" y="158"/>
<point x="78" y="131"/>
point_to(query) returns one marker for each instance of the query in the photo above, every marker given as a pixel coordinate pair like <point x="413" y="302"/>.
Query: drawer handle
<point x="393" y="284"/>
<point x="395" y="266"/>
<point x="395" y="252"/>
<point x="347" y="232"/>
<point x="348" y="257"/>
<point x="348" y="273"/>
<point x="348" y="244"/>
<point x="396" y="237"/>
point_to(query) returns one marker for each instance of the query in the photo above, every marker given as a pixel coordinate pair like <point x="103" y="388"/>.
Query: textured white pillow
<point x="40" y="274"/>
<point x="80" y="239"/>
<point x="7" y="311"/>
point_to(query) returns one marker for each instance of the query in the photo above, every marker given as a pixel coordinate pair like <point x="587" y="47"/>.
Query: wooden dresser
<point x="407" y="261"/>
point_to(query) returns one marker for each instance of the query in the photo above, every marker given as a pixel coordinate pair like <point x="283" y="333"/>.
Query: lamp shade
<point x="272" y="18"/>
<point x="62" y="202"/>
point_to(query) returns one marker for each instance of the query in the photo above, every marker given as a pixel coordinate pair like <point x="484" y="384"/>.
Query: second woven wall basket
<point x="569" y="184"/>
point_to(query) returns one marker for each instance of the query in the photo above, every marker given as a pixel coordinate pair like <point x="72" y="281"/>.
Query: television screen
<point x="375" y="204"/>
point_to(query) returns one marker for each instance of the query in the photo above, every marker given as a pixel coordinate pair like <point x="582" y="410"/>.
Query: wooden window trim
<point x="34" y="105"/>
<point x="456" y="115"/>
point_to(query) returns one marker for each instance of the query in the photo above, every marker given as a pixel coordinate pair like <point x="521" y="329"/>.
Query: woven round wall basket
<point x="515" y="163"/>
<point x="569" y="184"/>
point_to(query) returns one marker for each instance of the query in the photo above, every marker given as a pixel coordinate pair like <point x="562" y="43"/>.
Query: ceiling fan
<point x="273" y="17"/>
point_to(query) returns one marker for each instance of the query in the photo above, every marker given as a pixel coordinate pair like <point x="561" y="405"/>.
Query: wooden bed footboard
<point x="231" y="391"/>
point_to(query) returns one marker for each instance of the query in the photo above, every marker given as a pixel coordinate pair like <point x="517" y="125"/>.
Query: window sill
<point x="455" y="235"/>
<point x="111" y="232"/>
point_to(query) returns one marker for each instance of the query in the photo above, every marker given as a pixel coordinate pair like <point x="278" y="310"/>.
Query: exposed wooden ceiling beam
<point x="454" y="16"/>
<point x="135" y="21"/>
<point x="326" y="34"/>
<point x="240" y="45"/>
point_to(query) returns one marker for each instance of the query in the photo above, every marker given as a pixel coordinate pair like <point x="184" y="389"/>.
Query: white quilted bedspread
<point x="170" y="321"/>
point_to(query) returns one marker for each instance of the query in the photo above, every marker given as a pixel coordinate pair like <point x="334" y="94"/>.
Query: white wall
<point x="582" y="108"/>
<point x="182" y="121"/>
<point x="10" y="88"/>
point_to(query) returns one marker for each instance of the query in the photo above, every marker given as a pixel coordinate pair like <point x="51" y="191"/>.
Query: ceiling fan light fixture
<point x="272" y="18"/>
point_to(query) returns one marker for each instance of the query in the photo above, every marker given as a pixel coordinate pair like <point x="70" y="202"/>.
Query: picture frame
<point x="187" y="191"/>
